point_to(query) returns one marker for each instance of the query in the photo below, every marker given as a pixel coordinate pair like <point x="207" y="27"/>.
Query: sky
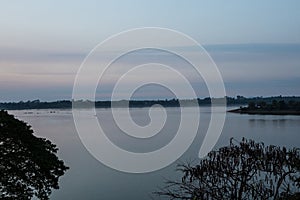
<point x="255" y="44"/>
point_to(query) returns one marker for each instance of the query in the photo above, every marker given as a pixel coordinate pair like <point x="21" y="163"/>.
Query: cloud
<point x="246" y="69"/>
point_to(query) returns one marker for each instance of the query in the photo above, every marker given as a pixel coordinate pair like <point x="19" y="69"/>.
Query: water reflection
<point x="89" y="179"/>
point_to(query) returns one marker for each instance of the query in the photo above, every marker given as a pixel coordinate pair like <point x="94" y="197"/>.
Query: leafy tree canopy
<point x="242" y="170"/>
<point x="28" y="164"/>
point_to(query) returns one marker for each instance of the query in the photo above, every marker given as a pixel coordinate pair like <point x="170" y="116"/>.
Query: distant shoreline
<point x="67" y="104"/>
<point x="265" y="112"/>
<point x="281" y="107"/>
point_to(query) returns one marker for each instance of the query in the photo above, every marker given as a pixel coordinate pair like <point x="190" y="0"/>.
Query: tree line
<point x="67" y="104"/>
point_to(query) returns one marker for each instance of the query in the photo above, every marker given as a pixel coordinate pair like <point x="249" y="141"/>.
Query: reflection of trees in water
<point x="274" y="122"/>
<point x="28" y="165"/>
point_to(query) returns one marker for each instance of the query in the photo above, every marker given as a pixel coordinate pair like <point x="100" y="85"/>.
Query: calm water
<point x="89" y="179"/>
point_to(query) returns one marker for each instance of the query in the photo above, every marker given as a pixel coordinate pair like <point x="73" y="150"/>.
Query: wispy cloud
<point x="251" y="69"/>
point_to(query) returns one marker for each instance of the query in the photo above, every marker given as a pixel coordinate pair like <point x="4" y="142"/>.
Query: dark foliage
<point x="273" y="106"/>
<point x="242" y="170"/>
<point x="28" y="165"/>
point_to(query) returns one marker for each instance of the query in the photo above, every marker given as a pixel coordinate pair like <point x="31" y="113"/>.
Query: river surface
<point x="88" y="178"/>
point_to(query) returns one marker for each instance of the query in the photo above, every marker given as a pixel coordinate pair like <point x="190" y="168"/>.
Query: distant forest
<point x="67" y="104"/>
<point x="282" y="107"/>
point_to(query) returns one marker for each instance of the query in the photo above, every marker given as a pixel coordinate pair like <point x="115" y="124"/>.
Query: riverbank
<point x="265" y="112"/>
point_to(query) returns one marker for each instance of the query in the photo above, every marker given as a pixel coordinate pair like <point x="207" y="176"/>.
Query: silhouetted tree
<point x="251" y="105"/>
<point x="282" y="105"/>
<point x="275" y="105"/>
<point x="242" y="170"/>
<point x="28" y="165"/>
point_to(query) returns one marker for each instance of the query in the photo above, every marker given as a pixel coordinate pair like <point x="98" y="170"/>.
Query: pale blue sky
<point x="42" y="43"/>
<point x="83" y="23"/>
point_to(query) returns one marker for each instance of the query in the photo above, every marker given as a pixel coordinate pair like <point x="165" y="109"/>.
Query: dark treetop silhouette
<point x="28" y="165"/>
<point x="242" y="170"/>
